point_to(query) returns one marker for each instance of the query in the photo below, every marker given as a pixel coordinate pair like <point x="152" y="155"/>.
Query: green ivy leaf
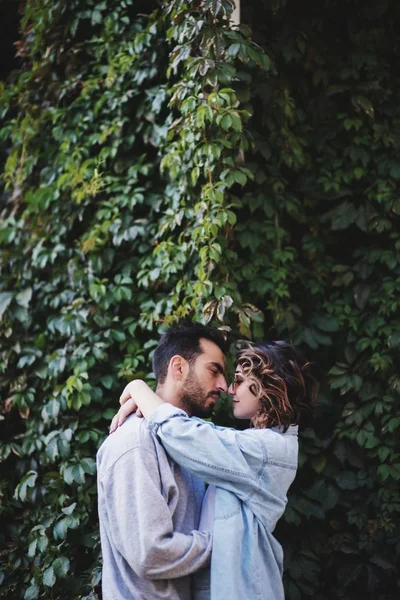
<point x="32" y="592"/>
<point x="5" y="299"/>
<point x="49" y="577"/>
<point x="28" y="481"/>
<point x="347" y="480"/>
<point x="61" y="566"/>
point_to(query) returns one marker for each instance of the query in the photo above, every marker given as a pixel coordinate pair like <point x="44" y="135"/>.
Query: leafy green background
<point x="160" y="164"/>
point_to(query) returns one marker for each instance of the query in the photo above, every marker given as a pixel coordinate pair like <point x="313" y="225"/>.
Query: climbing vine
<point x="161" y="162"/>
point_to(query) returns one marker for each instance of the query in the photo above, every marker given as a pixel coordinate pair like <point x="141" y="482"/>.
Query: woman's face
<point x="245" y="404"/>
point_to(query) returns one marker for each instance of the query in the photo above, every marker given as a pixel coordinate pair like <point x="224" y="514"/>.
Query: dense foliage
<point x="160" y="163"/>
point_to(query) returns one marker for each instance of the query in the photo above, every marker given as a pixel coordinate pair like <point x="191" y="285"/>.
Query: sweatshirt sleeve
<point x="230" y="459"/>
<point x="141" y="523"/>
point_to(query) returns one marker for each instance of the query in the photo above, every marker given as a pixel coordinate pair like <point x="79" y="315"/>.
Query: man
<point x="149" y="507"/>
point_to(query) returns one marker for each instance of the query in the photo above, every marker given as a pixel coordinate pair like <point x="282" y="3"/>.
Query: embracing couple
<point x="162" y="534"/>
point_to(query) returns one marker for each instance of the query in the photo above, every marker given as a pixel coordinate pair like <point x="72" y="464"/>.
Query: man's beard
<point x="194" y="397"/>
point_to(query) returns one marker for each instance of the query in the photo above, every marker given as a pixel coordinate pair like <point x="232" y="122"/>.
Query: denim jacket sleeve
<point x="232" y="460"/>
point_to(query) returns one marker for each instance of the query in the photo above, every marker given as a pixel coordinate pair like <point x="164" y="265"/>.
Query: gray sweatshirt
<point x="149" y="510"/>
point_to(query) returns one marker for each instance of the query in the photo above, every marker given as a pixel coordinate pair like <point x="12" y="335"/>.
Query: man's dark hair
<point x="183" y="339"/>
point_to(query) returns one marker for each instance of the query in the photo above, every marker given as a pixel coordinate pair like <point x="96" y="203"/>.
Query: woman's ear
<point x="178" y="367"/>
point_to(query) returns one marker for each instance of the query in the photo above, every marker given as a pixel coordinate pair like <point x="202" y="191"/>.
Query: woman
<point x="249" y="471"/>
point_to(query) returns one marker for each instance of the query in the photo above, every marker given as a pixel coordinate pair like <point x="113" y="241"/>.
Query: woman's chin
<point x="238" y="415"/>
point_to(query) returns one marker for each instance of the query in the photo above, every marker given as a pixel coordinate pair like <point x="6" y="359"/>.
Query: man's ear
<point x="178" y="367"/>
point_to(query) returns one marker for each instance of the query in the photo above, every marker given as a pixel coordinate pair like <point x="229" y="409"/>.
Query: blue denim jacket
<point x="252" y="471"/>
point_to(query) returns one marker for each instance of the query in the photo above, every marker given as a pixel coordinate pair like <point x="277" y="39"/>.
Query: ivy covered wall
<point x="158" y="164"/>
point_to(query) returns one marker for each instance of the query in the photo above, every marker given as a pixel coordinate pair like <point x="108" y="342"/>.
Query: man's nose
<point x="222" y="385"/>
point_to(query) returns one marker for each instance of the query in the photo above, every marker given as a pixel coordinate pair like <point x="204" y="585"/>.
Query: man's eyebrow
<point x="218" y="366"/>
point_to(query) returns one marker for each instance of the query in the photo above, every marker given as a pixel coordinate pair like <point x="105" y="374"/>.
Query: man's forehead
<point x="211" y="352"/>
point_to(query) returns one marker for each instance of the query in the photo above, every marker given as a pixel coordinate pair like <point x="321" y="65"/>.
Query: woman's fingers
<point x="128" y="406"/>
<point x="114" y="424"/>
<point x="125" y="395"/>
<point x="126" y="409"/>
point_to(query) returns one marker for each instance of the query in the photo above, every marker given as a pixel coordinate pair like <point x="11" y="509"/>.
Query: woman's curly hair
<point x="281" y="378"/>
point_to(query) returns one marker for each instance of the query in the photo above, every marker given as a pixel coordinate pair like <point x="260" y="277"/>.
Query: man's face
<point x="204" y="381"/>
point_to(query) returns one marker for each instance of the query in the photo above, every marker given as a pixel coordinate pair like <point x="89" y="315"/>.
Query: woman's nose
<point x="230" y="389"/>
